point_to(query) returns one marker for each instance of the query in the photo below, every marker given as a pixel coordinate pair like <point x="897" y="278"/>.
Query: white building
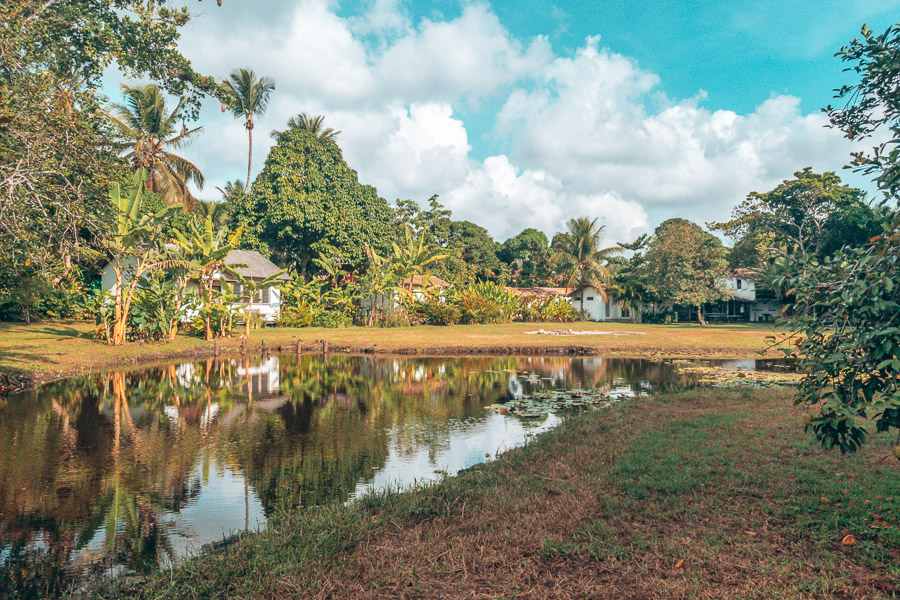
<point x="266" y="303"/>
<point x="596" y="307"/>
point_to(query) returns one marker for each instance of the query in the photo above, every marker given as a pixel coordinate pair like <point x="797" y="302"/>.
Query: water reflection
<point x="123" y="472"/>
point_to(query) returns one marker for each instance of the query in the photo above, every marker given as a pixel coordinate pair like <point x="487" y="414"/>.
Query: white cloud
<point x="587" y="133"/>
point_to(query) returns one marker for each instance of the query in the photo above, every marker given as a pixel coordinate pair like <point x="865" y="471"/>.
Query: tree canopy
<point x="308" y="201"/>
<point x="684" y="264"/>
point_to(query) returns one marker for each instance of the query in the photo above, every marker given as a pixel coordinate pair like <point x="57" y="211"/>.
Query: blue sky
<point x="524" y="114"/>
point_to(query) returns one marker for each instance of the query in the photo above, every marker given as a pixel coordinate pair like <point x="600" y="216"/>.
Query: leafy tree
<point x="475" y="248"/>
<point x="580" y="256"/>
<point x="246" y="95"/>
<point x="307" y="201"/>
<point x="314" y="125"/>
<point x="147" y="133"/>
<point x="685" y="265"/>
<point x="530" y="251"/>
<point x="57" y="161"/>
<point x="812" y="214"/>
<point x="844" y="318"/>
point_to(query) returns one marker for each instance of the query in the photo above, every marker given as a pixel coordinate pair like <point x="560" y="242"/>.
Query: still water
<point x="123" y="473"/>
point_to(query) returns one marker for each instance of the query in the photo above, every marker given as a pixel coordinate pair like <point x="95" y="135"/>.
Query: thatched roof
<point x="746" y="274"/>
<point x="258" y="266"/>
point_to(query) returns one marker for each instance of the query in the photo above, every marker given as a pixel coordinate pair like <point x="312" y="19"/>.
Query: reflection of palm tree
<point x="147" y="133"/>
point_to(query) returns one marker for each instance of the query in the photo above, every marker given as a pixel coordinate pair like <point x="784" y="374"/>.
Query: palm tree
<point x="579" y="253"/>
<point x="246" y="96"/>
<point x="232" y="190"/>
<point x="217" y="211"/>
<point x="146" y="134"/>
<point x="314" y="125"/>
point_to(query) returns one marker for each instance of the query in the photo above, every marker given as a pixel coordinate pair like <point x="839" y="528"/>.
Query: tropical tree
<point x="314" y="125"/>
<point x="232" y="190"/>
<point x="629" y="294"/>
<point x="205" y="251"/>
<point x="133" y="251"/>
<point x="217" y="211"/>
<point x="579" y="254"/>
<point x="411" y="258"/>
<point x="307" y="201"/>
<point x="685" y="265"/>
<point x="245" y="96"/>
<point x="147" y="133"/>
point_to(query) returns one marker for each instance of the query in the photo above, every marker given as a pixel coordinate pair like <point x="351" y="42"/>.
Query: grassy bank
<point x="707" y="494"/>
<point x="57" y="348"/>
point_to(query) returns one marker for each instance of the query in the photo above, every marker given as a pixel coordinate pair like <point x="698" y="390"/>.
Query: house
<point x="746" y="301"/>
<point x="266" y="303"/>
<point x="596" y="308"/>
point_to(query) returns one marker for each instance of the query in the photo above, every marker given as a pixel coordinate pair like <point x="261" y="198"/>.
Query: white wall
<point x="595" y="306"/>
<point x="746" y="291"/>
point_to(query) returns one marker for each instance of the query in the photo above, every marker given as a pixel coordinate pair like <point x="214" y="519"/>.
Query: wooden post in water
<point x="299" y="347"/>
<point x="244" y="347"/>
<point x="216" y="347"/>
<point x="324" y="347"/>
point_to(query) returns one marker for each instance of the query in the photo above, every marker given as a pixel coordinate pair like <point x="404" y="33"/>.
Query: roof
<point x="748" y="274"/>
<point x="258" y="266"/>
<point x="423" y="281"/>
<point x="540" y="292"/>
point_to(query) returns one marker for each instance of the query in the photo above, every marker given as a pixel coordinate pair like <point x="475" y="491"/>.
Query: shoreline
<point x="57" y="350"/>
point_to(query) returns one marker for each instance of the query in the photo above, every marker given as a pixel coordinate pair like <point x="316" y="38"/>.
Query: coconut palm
<point x="147" y="132"/>
<point x="245" y="96"/>
<point x="232" y="190"/>
<point x="314" y="125"/>
<point x="217" y="211"/>
<point x="579" y="254"/>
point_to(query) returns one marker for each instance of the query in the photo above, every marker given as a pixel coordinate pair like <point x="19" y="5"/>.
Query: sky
<point x="525" y="114"/>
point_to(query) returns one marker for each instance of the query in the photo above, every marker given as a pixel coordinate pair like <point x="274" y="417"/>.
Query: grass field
<point x="57" y="348"/>
<point x="705" y="494"/>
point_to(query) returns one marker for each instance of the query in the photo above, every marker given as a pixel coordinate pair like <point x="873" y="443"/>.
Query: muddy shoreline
<point x="14" y="382"/>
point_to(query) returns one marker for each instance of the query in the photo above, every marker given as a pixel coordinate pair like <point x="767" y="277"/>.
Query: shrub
<point x="436" y="311"/>
<point x="558" y="309"/>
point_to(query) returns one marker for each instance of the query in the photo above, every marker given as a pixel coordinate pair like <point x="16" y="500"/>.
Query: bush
<point x="436" y="311"/>
<point x="559" y="310"/>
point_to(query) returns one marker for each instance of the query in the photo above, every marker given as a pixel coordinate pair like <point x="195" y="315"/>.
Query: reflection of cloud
<point x="464" y="447"/>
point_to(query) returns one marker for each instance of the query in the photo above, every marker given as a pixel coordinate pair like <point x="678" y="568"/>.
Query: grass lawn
<point x="704" y="494"/>
<point x="56" y="348"/>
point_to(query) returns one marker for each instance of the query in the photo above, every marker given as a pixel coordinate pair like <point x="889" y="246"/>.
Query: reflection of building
<point x="262" y="378"/>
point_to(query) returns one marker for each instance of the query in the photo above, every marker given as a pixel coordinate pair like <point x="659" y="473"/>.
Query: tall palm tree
<point x="147" y="133"/>
<point x="579" y="253"/>
<point x="314" y="125"/>
<point x="247" y="96"/>
<point x="232" y="190"/>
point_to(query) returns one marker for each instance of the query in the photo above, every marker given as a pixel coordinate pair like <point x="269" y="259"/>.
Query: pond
<point x="123" y="473"/>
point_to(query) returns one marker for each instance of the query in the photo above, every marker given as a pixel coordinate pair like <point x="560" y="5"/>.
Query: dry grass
<point x="56" y="348"/>
<point x="706" y="494"/>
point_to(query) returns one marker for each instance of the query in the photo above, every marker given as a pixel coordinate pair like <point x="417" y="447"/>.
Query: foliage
<point x="558" y="310"/>
<point x="56" y="159"/>
<point x="307" y="202"/>
<point x="146" y="134"/>
<point x="530" y="252"/>
<point x="314" y="125"/>
<point x="873" y="104"/>
<point x="158" y="306"/>
<point x="134" y="250"/>
<point x="437" y="311"/>
<point x="810" y="214"/>
<point x="845" y="317"/>
<point x="685" y="265"/>
<point x="316" y="304"/>
<point x="579" y="255"/>
<point x="204" y="252"/>
<point x="486" y="302"/>
<point x="246" y="95"/>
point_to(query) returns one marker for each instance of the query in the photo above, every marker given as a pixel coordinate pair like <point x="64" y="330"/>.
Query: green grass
<point x="707" y="494"/>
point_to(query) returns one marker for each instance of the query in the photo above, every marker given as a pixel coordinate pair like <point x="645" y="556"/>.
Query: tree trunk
<point x="581" y="316"/>
<point x="208" y="321"/>
<point x="249" y="154"/>
<point x="700" y="315"/>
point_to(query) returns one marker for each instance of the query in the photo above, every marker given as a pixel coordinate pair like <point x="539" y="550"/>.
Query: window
<point x="590" y="298"/>
<point x="265" y="296"/>
<point x="738" y="284"/>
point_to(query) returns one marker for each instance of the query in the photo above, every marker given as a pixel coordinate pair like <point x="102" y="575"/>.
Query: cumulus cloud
<point x="585" y="133"/>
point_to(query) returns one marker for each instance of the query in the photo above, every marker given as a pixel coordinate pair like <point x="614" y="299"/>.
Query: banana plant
<point x="411" y="259"/>
<point x="251" y="287"/>
<point x="133" y="250"/>
<point x="205" y="251"/>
